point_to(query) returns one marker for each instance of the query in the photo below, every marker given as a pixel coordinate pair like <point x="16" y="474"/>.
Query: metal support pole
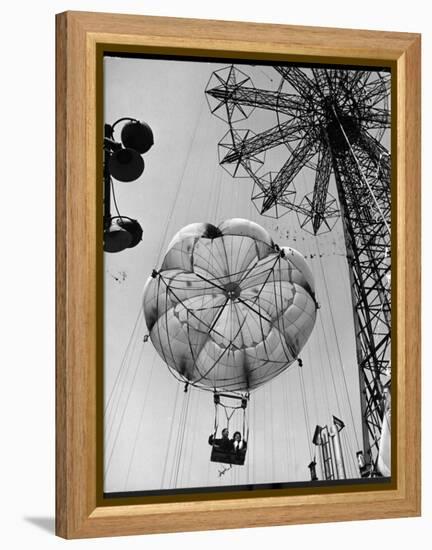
<point x="107" y="180"/>
<point x="312" y="468"/>
<point x="326" y="453"/>
<point x="337" y="452"/>
<point x="323" y="463"/>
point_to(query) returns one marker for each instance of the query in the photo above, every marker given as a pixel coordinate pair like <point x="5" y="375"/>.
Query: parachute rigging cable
<point x="122" y="415"/>
<point x="140" y="422"/>
<point x="132" y="341"/>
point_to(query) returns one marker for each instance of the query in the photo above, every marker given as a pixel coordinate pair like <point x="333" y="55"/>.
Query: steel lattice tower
<point x="334" y="121"/>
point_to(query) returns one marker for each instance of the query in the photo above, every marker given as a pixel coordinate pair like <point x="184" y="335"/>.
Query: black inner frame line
<point x="247" y="489"/>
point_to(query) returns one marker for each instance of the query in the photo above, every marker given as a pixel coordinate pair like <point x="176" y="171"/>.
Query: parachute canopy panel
<point x="229" y="309"/>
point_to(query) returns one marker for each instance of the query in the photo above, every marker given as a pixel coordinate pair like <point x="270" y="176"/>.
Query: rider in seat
<point x="224" y="443"/>
<point x="238" y="444"/>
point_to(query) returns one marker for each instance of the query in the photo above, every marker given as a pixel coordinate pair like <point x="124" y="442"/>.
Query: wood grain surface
<point x="79" y="34"/>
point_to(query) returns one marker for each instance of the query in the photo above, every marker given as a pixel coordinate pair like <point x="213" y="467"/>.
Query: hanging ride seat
<point x="228" y="457"/>
<point x="223" y="449"/>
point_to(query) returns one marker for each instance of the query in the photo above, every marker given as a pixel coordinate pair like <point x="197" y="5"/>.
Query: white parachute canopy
<point x="229" y="309"/>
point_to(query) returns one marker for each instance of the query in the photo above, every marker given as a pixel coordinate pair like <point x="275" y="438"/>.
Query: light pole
<point x="123" y="161"/>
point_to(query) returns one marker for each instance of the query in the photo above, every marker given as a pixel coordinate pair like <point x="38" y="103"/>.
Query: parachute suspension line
<point x="185" y="423"/>
<point x="217" y="196"/>
<point x="112" y="417"/>
<point x="291" y="449"/>
<point x="339" y="353"/>
<point x="194" y="176"/>
<point x="120" y="391"/>
<point x="305" y="410"/>
<point x="323" y="381"/>
<point x="293" y="415"/>
<point x="286" y="425"/>
<point x="272" y="427"/>
<point x="323" y="278"/>
<point x="330" y="368"/>
<point x="216" y="419"/>
<point x="162" y="243"/>
<point x="120" y="372"/>
<point x="248" y="461"/>
<point x="141" y="418"/>
<point x="180" y="441"/>
<point x="352" y="461"/>
<point x="157" y="308"/>
<point x="287" y="414"/>
<point x="324" y="384"/>
<point x="188" y="447"/>
<point x="190" y="348"/>
<point x="245" y="434"/>
<point x="195" y="406"/>
<point x="312" y="369"/>
<point x="228" y="416"/>
<point x="285" y="386"/>
<point x="349" y="452"/>
<point x="311" y="372"/>
<point x="120" y="424"/>
<point x="312" y="364"/>
<point x="363" y="177"/>
<point x="352" y="454"/>
<point x="264" y="419"/>
<point x="167" y="289"/>
<point x="167" y="454"/>
<point x="254" y="425"/>
<point x="212" y="199"/>
<point x="235" y="200"/>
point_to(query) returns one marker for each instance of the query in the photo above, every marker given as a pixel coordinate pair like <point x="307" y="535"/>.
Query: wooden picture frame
<point x="81" y="37"/>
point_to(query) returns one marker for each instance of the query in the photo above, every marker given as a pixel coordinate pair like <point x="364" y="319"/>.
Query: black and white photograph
<point x="246" y="274"/>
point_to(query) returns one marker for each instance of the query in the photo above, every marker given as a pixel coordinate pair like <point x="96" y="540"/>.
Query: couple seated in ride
<point x="236" y="444"/>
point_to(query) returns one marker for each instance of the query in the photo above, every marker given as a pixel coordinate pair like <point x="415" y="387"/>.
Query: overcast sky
<point x="155" y="434"/>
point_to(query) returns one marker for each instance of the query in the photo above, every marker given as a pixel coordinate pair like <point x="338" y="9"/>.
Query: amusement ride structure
<point x="335" y="122"/>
